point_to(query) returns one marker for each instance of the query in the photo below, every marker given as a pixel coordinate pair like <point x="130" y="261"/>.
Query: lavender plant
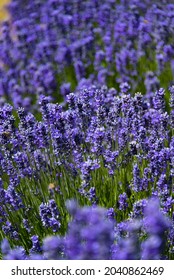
<point x="86" y="130"/>
<point x="91" y="235"/>
<point x="101" y="149"/>
<point x="67" y="45"/>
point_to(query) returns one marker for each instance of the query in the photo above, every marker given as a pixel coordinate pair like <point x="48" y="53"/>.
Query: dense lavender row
<point x="52" y="47"/>
<point x="93" y="234"/>
<point x="86" y="160"/>
<point x="104" y="148"/>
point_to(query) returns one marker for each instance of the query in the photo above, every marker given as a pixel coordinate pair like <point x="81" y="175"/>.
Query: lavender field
<point x="87" y="130"/>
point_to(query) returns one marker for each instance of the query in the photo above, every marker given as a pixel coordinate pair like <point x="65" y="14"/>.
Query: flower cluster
<point x="87" y="130"/>
<point x="91" y="235"/>
<point x="52" y="47"/>
<point x="104" y="148"/>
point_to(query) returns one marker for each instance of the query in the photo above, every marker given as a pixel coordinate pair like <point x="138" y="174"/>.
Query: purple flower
<point x="157" y="223"/>
<point x="90" y="235"/>
<point x="5" y="247"/>
<point x="36" y="248"/>
<point x="16" y="254"/>
<point x="53" y="248"/>
<point x="123" y="201"/>
<point x="151" y="248"/>
<point x="49" y="215"/>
